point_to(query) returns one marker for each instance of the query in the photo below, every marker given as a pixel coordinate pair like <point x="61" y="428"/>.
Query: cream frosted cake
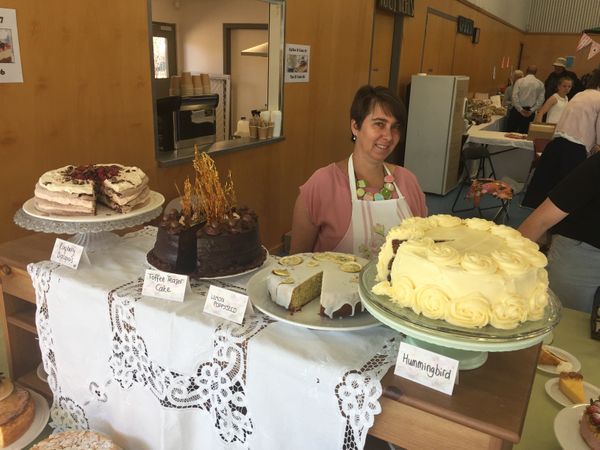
<point x="299" y="279"/>
<point x="76" y="440"/>
<point x="75" y="190"/>
<point x="468" y="272"/>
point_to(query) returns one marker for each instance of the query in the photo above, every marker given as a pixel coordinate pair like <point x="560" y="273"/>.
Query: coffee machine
<point x="183" y="122"/>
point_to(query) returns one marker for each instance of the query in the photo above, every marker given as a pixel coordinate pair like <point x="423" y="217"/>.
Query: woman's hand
<point x="304" y="233"/>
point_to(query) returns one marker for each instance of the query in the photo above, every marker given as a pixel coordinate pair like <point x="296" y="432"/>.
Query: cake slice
<point x="548" y="358"/>
<point x="16" y="414"/>
<point x="589" y="426"/>
<point x="571" y="384"/>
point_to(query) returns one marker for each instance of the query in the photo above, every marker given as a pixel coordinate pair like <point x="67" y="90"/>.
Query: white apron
<point x="371" y="220"/>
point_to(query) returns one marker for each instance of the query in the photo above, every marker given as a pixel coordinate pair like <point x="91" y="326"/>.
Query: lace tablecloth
<point x="155" y="374"/>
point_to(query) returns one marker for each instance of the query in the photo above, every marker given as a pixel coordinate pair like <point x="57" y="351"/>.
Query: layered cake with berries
<point x="17" y="411"/>
<point x="76" y="190"/>
<point x="330" y="276"/>
<point x="589" y="426"/>
<point x="468" y="272"/>
<point x="76" y="440"/>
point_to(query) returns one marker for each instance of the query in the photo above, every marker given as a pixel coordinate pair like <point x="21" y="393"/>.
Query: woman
<point x="576" y="134"/>
<point x="556" y="103"/>
<point x="572" y="211"/>
<point x="507" y="101"/>
<point x="349" y="206"/>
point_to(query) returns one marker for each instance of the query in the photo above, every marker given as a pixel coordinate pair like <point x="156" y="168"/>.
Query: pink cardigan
<point x="326" y="196"/>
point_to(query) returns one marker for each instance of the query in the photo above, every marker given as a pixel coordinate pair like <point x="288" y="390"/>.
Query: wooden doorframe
<point x="443" y="15"/>
<point x="227" y="28"/>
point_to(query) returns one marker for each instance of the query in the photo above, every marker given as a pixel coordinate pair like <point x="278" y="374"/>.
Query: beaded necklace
<point x="385" y="193"/>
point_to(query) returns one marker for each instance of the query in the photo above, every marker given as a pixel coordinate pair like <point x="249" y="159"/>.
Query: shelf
<point x="31" y="380"/>
<point x="24" y="319"/>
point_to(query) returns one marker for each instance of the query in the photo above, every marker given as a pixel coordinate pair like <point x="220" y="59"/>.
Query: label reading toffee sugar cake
<point x="165" y="285"/>
<point x="66" y="253"/>
<point x="226" y="304"/>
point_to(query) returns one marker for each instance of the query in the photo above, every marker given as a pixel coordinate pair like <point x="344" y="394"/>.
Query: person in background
<point x="576" y="134"/>
<point x="560" y="71"/>
<point x="507" y="100"/>
<point x="555" y="104"/>
<point x="349" y="206"/>
<point x="572" y="213"/>
<point x="527" y="98"/>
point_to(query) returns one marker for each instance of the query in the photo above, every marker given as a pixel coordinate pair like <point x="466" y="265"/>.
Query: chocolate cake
<point x="175" y="246"/>
<point x="231" y="246"/>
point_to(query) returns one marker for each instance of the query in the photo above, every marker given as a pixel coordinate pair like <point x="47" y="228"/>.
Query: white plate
<point x="561" y="354"/>
<point x="41" y="373"/>
<point x="308" y="316"/>
<point x="103" y="213"/>
<point x="42" y="414"/>
<point x="553" y="391"/>
<point x="566" y="428"/>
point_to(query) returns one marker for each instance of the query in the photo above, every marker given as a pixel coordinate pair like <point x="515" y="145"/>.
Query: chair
<point x="472" y="153"/>
<point x="497" y="189"/>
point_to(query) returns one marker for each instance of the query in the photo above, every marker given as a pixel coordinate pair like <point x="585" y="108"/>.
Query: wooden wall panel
<point x="542" y="49"/>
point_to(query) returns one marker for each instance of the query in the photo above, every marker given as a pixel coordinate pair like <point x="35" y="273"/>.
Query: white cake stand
<point x="92" y="232"/>
<point x="469" y="346"/>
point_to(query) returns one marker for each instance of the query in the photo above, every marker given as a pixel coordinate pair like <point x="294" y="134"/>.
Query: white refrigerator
<point x="435" y="129"/>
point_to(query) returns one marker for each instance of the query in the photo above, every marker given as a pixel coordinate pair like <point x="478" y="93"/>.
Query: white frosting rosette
<point x="478" y="264"/>
<point x="418" y="246"/>
<point x="511" y="262"/>
<point x="522" y="243"/>
<point x="403" y="292"/>
<point x="403" y="233"/>
<point x="478" y="224"/>
<point x="443" y="255"/>
<point x="505" y="232"/>
<point x="431" y="301"/>
<point x="446" y="220"/>
<point x="538" y="302"/>
<point x="416" y="222"/>
<point x="382" y="288"/>
<point x="535" y="258"/>
<point x="509" y="312"/>
<point x="470" y="311"/>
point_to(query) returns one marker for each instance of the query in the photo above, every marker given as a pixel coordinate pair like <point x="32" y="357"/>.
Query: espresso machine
<point x="183" y="122"/>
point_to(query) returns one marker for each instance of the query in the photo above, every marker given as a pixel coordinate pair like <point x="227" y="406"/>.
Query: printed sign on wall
<point x="297" y="63"/>
<point x="10" y="56"/>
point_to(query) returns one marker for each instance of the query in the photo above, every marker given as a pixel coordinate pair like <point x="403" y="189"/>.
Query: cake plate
<point x="91" y="232"/>
<point x="470" y="346"/>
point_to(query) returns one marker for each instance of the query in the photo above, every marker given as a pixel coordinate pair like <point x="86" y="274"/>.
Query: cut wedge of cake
<point x="549" y="358"/>
<point x="571" y="384"/>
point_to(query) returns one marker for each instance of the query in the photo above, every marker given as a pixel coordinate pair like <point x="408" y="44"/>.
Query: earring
<point x="353" y="138"/>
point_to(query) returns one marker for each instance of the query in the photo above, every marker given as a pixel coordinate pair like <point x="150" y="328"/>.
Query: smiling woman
<point x="349" y="206"/>
<point x="202" y="80"/>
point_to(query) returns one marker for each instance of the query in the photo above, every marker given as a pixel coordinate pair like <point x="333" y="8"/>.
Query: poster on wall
<point x="10" y="57"/>
<point x="297" y="63"/>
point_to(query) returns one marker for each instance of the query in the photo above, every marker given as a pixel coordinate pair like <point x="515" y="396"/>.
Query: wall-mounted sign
<point x="297" y="63"/>
<point x="465" y="26"/>
<point x="10" y="56"/>
<point x="406" y="7"/>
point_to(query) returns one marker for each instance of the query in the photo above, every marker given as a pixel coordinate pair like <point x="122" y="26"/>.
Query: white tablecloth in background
<point x="163" y="375"/>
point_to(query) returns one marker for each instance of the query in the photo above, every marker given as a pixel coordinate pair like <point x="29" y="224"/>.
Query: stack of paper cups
<point x="206" y="83"/>
<point x="175" y="86"/>
<point x="187" y="86"/>
<point x="197" y="81"/>
<point x="276" y="119"/>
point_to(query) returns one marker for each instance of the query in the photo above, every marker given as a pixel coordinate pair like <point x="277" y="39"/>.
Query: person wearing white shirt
<point x="527" y="98"/>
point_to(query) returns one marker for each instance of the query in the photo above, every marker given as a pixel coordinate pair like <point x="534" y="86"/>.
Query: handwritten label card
<point x="427" y="368"/>
<point x="226" y="304"/>
<point x="66" y="253"/>
<point x="165" y="285"/>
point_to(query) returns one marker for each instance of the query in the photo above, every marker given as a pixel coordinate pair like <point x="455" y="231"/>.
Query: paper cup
<point x="253" y="131"/>
<point x="262" y="132"/>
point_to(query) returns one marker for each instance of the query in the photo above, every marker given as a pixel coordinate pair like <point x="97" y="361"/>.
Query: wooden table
<point x="487" y="410"/>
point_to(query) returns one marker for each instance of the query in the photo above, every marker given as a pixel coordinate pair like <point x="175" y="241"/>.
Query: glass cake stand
<point x="92" y="232"/>
<point x="468" y="345"/>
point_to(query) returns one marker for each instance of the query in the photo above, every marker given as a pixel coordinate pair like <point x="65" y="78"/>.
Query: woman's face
<point x="564" y="87"/>
<point x="378" y="135"/>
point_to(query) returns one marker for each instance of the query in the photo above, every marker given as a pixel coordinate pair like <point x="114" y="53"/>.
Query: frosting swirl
<point x="511" y="262"/>
<point x="444" y="255"/>
<point x="509" y="312"/>
<point x="382" y="288"/>
<point x="478" y="264"/>
<point x="470" y="311"/>
<point x="505" y="232"/>
<point x="478" y="224"/>
<point x="431" y="301"/>
<point x="418" y="246"/>
<point x="403" y="292"/>
<point x="446" y="220"/>
<point x="538" y="302"/>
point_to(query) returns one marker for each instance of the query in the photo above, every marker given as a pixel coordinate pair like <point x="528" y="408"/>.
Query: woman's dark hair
<point x="368" y="96"/>
<point x="593" y="81"/>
